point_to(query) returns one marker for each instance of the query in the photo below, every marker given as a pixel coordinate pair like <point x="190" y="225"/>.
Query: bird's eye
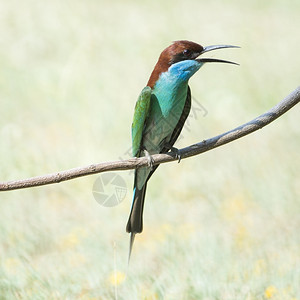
<point x="187" y="52"/>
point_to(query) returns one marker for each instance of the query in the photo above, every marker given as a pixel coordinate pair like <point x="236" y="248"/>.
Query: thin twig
<point x="133" y="163"/>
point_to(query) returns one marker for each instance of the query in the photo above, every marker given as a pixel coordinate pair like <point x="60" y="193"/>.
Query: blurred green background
<point x="222" y="225"/>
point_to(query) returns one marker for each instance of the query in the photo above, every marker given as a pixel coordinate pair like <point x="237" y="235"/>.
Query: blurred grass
<point x="223" y="225"/>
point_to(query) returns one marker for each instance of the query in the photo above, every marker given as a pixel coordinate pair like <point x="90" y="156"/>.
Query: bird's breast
<point x="167" y="103"/>
<point x="170" y="95"/>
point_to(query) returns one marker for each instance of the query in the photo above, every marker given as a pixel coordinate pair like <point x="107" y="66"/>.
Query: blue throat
<point x="184" y="70"/>
<point x="171" y="87"/>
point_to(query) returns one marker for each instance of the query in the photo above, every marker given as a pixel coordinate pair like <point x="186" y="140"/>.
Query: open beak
<point x="215" y="47"/>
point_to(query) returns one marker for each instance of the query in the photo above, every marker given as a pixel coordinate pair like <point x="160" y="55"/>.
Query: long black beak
<point x="215" y="47"/>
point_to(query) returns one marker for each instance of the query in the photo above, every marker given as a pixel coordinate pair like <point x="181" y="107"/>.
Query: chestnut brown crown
<point x="178" y="51"/>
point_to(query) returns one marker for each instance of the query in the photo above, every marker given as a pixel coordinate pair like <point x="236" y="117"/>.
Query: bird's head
<point x="182" y="58"/>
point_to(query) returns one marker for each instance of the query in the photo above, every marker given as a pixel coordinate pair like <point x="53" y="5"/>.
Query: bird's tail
<point x="135" y="221"/>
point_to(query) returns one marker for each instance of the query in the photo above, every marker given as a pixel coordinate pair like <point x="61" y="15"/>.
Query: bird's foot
<point x="177" y="153"/>
<point x="150" y="159"/>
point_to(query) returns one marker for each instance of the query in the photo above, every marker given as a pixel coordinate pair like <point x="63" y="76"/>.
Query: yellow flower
<point x="147" y="294"/>
<point x="116" y="278"/>
<point x="70" y="241"/>
<point x="270" y="291"/>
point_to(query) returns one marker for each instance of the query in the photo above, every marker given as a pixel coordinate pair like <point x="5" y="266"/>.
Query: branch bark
<point x="282" y="107"/>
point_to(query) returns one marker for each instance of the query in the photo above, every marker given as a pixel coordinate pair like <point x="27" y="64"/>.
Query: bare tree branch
<point x="133" y="163"/>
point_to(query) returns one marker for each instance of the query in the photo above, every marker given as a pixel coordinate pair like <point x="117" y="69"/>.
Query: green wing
<point x="141" y="112"/>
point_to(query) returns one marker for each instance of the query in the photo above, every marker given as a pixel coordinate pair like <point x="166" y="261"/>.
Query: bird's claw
<point x="177" y="153"/>
<point x="150" y="159"/>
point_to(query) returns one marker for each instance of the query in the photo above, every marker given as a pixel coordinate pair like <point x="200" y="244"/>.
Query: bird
<point x="160" y="113"/>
